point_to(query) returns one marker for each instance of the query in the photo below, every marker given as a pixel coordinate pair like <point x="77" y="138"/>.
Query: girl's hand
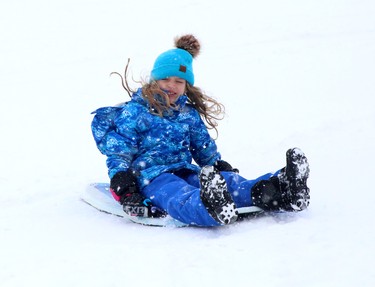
<point x="222" y="165"/>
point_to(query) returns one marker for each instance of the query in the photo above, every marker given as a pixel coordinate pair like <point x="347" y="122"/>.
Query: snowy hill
<point x="290" y="73"/>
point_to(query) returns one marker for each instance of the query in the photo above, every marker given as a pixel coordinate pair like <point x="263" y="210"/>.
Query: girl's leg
<point x="179" y="199"/>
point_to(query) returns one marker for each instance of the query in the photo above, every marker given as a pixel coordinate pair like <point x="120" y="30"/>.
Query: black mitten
<point x="125" y="182"/>
<point x="222" y="165"/>
<point x="125" y="185"/>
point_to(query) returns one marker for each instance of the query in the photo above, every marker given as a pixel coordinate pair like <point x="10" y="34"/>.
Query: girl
<point x="151" y="140"/>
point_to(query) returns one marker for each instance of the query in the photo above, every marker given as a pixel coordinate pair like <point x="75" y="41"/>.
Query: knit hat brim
<point x="174" y="63"/>
<point x="166" y="71"/>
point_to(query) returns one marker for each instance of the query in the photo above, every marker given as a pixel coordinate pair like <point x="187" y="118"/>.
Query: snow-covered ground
<point x="291" y="73"/>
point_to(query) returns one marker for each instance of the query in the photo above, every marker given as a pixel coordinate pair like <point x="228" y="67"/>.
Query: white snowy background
<point x="290" y="73"/>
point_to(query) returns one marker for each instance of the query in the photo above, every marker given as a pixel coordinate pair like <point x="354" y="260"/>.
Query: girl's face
<point x="173" y="86"/>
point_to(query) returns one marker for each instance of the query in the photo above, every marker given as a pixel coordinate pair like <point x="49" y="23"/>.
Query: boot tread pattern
<point x="215" y="196"/>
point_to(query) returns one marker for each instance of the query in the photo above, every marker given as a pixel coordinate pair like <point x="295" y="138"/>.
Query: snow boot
<point x="215" y="196"/>
<point x="293" y="179"/>
<point x="267" y="194"/>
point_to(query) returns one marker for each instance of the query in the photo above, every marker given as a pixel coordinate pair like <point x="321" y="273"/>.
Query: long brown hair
<point x="209" y="109"/>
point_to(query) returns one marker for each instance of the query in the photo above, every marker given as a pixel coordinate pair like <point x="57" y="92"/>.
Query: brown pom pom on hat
<point x="177" y="62"/>
<point x="188" y="43"/>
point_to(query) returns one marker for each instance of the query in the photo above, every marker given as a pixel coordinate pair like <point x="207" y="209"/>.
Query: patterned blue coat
<point x="131" y="137"/>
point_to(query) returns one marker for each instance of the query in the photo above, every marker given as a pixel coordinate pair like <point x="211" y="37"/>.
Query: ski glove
<point x="124" y="184"/>
<point x="222" y="165"/>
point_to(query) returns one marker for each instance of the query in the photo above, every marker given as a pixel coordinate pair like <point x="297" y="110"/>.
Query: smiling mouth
<point x="171" y="93"/>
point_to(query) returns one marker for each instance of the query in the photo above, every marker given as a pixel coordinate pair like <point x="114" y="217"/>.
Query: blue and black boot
<point x="293" y="179"/>
<point x="288" y="190"/>
<point x="215" y="196"/>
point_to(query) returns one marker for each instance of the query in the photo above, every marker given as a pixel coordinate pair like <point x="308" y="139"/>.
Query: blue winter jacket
<point x="132" y="137"/>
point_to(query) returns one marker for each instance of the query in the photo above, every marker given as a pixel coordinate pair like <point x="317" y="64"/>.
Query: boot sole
<point x="297" y="172"/>
<point x="215" y="196"/>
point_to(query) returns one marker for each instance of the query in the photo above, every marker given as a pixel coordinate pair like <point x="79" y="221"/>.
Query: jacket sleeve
<point x="118" y="142"/>
<point x="202" y="146"/>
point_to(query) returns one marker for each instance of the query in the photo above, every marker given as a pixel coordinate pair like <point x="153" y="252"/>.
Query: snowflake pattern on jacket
<point x="132" y="137"/>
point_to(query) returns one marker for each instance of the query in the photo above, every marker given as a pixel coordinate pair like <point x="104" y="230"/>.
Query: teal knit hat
<point x="177" y="62"/>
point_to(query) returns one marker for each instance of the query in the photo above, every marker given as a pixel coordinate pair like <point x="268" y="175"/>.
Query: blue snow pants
<point x="179" y="195"/>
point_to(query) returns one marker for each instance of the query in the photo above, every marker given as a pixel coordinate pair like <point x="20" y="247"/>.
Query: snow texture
<point x="290" y="73"/>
